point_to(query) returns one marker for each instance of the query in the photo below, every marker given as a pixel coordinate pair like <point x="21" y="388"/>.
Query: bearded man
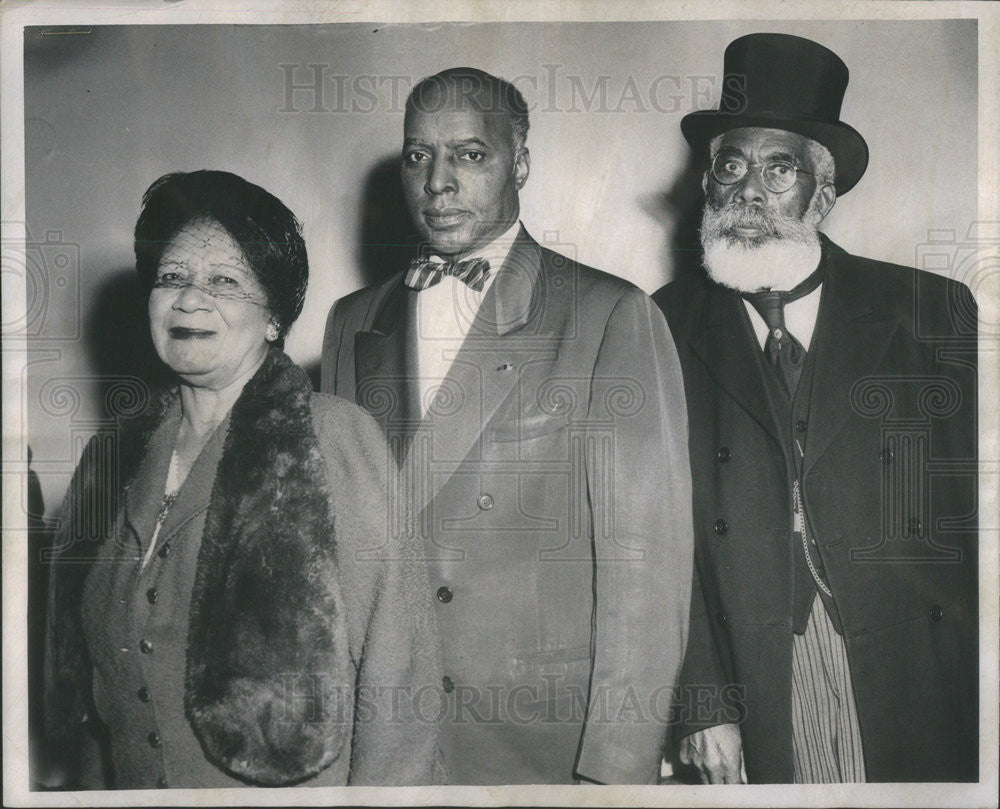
<point x="832" y="419"/>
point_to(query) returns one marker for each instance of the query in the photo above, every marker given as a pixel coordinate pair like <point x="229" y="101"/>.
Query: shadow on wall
<point x="116" y="331"/>
<point x="678" y="209"/>
<point x="387" y="239"/>
<point x="39" y="542"/>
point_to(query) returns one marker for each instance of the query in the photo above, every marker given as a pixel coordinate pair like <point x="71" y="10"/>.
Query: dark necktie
<point x="424" y="273"/>
<point x="785" y="354"/>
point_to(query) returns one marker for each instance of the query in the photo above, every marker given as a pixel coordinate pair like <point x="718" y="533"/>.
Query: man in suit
<point x="832" y="404"/>
<point x="536" y="409"/>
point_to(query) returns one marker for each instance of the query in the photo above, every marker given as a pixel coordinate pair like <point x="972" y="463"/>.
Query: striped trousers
<point x="826" y="739"/>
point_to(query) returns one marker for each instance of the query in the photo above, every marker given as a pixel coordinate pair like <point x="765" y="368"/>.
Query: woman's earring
<point x="272" y="332"/>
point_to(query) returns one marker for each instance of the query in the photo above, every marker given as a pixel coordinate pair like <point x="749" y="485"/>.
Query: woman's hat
<point x="785" y="82"/>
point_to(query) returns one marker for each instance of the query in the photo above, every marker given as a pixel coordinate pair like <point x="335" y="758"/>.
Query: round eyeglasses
<point x="777" y="175"/>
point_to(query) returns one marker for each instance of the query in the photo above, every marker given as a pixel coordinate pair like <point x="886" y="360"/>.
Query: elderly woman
<point x="230" y="600"/>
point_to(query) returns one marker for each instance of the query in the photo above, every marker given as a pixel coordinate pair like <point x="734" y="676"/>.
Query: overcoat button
<point x="447" y="684"/>
<point x="161" y="783"/>
<point x="444" y="594"/>
<point x="721" y="526"/>
<point x="886" y="456"/>
<point x="154" y="739"/>
<point x="151" y="595"/>
<point x="145" y="647"/>
<point x="721" y="618"/>
<point x="800" y="426"/>
<point x="485" y="501"/>
<point x="936" y="612"/>
<point x="143" y="694"/>
<point x="164" y="552"/>
<point x="723" y="454"/>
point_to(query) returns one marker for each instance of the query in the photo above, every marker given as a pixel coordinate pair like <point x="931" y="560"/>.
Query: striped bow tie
<point x="425" y="273"/>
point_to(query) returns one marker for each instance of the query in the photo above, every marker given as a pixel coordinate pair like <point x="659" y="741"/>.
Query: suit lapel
<point x="385" y="364"/>
<point x="145" y="490"/>
<point x="850" y="340"/>
<point x="483" y="373"/>
<point x="733" y="360"/>
<point x="196" y="490"/>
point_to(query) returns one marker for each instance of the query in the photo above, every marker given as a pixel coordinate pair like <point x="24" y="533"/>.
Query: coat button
<point x="143" y="694"/>
<point x="444" y="594"/>
<point x="721" y="618"/>
<point x="721" y="526"/>
<point x="161" y="782"/>
<point x="886" y="456"/>
<point x="164" y="552"/>
<point x="447" y="684"/>
<point x="723" y="454"/>
<point x="485" y="501"/>
<point x="936" y="612"/>
<point x="800" y="426"/>
<point x="151" y="595"/>
<point x="145" y="647"/>
<point x="154" y="739"/>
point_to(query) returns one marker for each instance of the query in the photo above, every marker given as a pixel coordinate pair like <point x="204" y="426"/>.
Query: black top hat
<point x="785" y="82"/>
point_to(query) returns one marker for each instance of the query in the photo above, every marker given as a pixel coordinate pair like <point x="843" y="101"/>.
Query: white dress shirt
<point x="444" y="315"/>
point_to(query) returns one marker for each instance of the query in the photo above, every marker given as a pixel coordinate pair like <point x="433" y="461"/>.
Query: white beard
<point x="781" y="258"/>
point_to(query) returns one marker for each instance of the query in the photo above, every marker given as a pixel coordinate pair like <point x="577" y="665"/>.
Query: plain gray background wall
<point x="612" y="181"/>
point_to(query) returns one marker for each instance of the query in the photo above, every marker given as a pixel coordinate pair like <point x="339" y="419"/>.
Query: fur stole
<point x="268" y="669"/>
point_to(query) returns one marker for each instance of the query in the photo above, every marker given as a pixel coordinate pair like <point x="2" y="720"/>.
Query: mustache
<point x="724" y="224"/>
<point x="753" y="216"/>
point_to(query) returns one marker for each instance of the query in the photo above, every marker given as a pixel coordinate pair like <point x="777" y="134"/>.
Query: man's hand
<point x="717" y="754"/>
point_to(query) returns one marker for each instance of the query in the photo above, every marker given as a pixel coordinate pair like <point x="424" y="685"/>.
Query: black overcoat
<point x="889" y="484"/>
